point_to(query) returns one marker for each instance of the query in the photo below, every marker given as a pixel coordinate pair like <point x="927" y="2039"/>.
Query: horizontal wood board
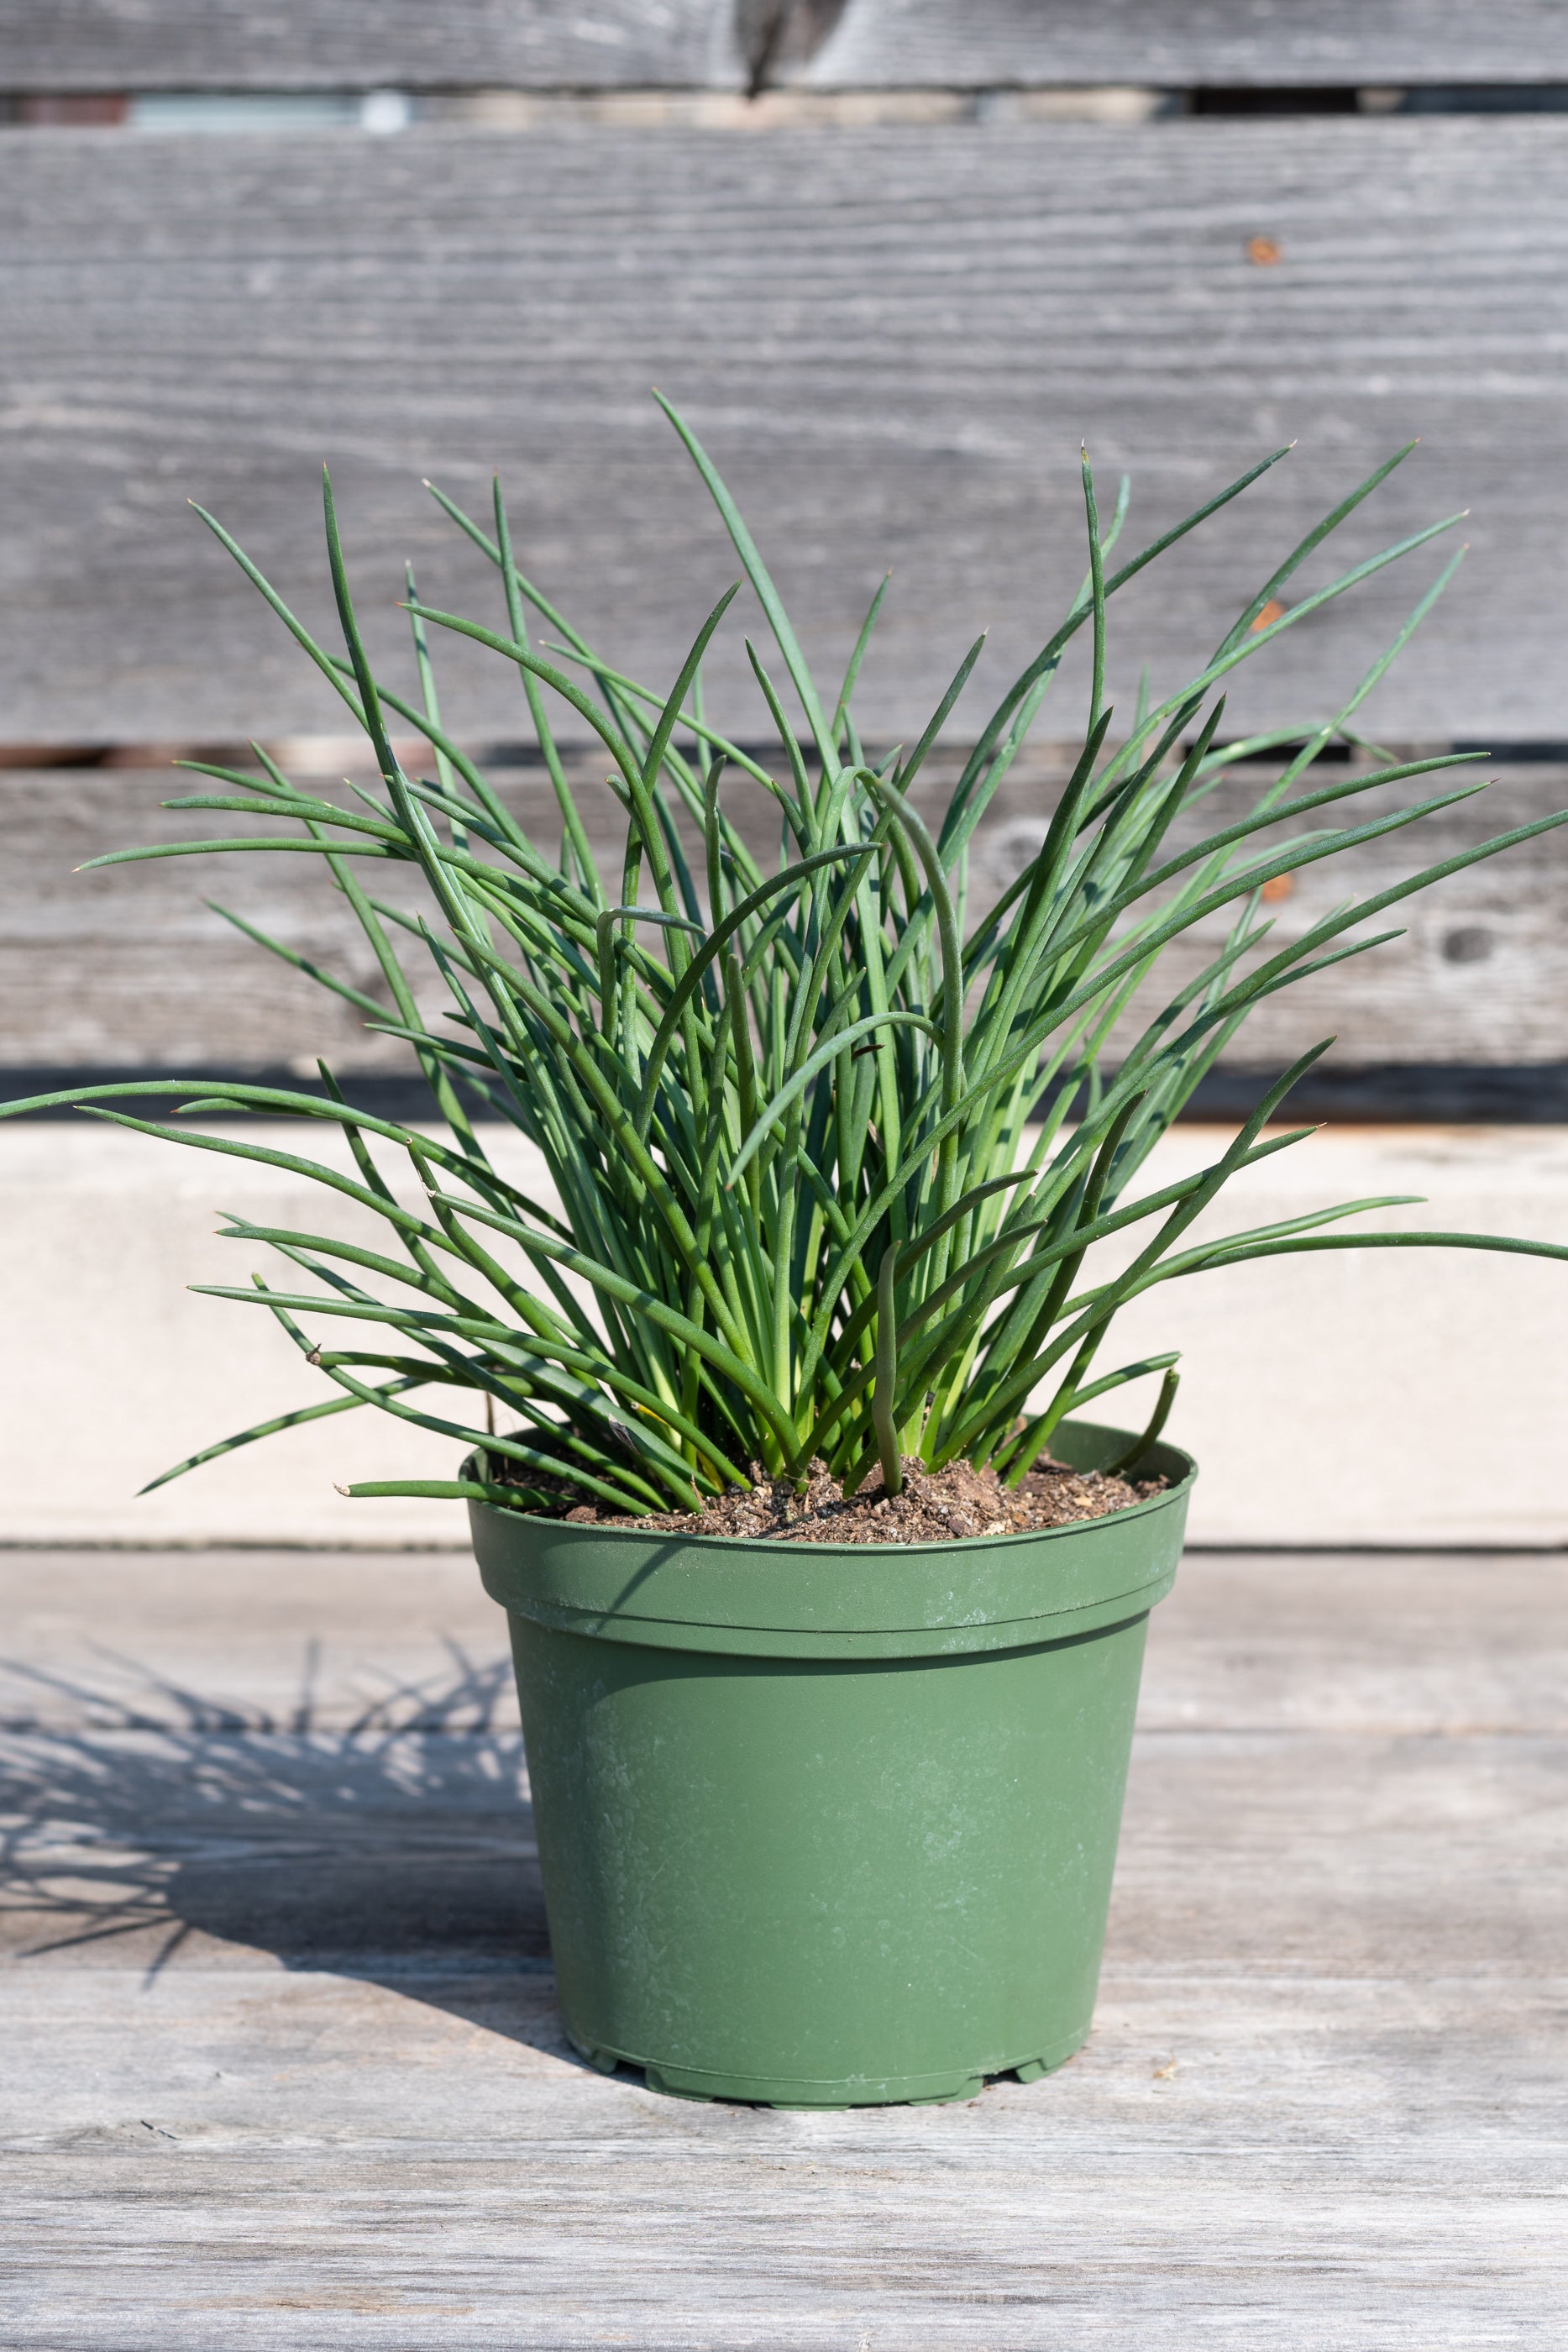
<point x="142" y="974"/>
<point x="124" y="45"/>
<point x="316" y="1642"/>
<point x="1235" y="43"/>
<point x="893" y="343"/>
<point x="287" y="2063"/>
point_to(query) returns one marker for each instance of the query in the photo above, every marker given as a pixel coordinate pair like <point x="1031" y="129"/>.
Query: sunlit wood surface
<point x="283" y="2065"/>
<point x="893" y="342"/>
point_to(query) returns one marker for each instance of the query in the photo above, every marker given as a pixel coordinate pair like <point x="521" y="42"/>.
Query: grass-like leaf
<point x="831" y="1153"/>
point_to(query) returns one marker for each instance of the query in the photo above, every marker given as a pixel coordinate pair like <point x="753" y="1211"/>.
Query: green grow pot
<point x="829" y="1825"/>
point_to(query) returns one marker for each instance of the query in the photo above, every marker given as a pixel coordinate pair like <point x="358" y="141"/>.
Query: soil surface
<point x="933" y="1508"/>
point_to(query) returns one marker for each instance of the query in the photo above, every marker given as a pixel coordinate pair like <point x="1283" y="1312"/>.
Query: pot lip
<point x="759" y="1547"/>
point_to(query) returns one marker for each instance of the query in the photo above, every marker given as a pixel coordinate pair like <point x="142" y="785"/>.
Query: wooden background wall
<point x="892" y="287"/>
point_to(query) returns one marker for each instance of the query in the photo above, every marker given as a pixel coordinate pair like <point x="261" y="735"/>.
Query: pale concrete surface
<point x="1394" y="1398"/>
<point x="284" y="2067"/>
<point x="1385" y="1397"/>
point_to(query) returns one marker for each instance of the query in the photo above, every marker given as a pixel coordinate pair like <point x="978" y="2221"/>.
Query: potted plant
<point x="828" y="1606"/>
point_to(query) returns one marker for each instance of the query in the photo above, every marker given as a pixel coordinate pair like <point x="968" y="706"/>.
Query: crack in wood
<point x="774" y="36"/>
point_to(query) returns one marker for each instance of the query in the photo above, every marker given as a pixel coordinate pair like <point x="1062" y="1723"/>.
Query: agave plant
<point x="830" y="1150"/>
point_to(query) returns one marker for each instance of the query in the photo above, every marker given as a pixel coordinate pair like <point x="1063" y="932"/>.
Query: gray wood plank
<point x="126" y="45"/>
<point x="145" y="973"/>
<point x="991" y="43"/>
<point x="270" y="2159"/>
<point x="1433" y="1644"/>
<point x="142" y="974"/>
<point x="893" y="343"/>
<point x="404" y="1640"/>
<point x="379" y="1847"/>
<point x="123" y="45"/>
<point x="1479" y="974"/>
<point x="409" y="1641"/>
<point x="382" y="1855"/>
<point x="1324" y="2101"/>
<point x="137" y="962"/>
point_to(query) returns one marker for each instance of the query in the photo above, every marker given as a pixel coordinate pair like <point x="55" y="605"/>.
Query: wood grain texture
<point x="1324" y="2101"/>
<point x="1237" y="43"/>
<point x="892" y="343"/>
<point x="1327" y="1644"/>
<point x="142" y="974"/>
<point x="404" y="1853"/>
<point x="1481" y="972"/>
<point x="1357" y="1643"/>
<point x="127" y="44"/>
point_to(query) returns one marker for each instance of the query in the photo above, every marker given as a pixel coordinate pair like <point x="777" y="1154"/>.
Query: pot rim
<point x="639" y="1532"/>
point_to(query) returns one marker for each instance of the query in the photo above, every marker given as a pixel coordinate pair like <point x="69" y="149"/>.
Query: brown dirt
<point x="955" y="1502"/>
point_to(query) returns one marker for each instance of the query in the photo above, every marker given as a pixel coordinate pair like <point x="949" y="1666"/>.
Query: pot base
<point x="760" y="2090"/>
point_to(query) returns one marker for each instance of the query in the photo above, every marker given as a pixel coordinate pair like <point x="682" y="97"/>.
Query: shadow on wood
<point x="398" y="1851"/>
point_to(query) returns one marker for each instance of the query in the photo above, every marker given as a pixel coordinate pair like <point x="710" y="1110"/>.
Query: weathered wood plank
<point x="124" y="45"/>
<point x="390" y="1852"/>
<point x="892" y="343"/>
<point x="313" y="1643"/>
<point x="142" y="973"/>
<point x="991" y="43"/>
<point x="119" y="45"/>
<point x="1481" y="973"/>
<point x="246" y="2158"/>
<point x="408" y="1641"/>
<point x="136" y="962"/>
<point x="1438" y="1644"/>
<point x="1326" y="2091"/>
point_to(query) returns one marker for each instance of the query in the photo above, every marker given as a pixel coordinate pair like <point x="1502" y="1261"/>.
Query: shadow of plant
<point x="397" y="1848"/>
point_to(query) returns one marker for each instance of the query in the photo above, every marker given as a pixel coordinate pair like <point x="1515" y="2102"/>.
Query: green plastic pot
<point x="828" y="1825"/>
